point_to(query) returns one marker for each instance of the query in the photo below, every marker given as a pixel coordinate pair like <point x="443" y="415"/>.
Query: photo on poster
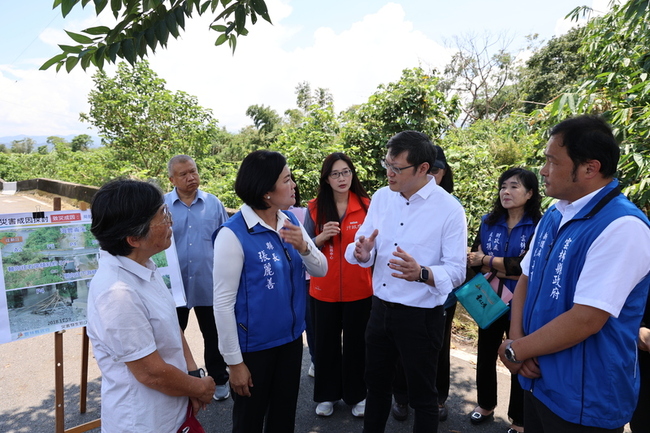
<point x="47" y="260"/>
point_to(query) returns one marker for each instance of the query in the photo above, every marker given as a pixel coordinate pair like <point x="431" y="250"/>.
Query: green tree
<point x="55" y="141"/>
<point x="25" y="145"/>
<point x="484" y="73"/>
<point x="307" y="144"/>
<point x="81" y="142"/>
<point x="264" y="118"/>
<point x="145" y="24"/>
<point x="617" y="64"/>
<point x="306" y="99"/>
<point x="144" y="123"/>
<point x="414" y="102"/>
<point x="551" y="69"/>
<point x="478" y="154"/>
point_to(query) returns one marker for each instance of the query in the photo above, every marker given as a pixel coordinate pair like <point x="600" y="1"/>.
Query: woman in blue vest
<point x="499" y="247"/>
<point x="260" y="256"/>
<point x="342" y="299"/>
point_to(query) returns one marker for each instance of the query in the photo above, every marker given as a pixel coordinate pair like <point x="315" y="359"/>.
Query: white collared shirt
<point x="131" y="314"/>
<point x="228" y="265"/>
<point x="431" y="227"/>
<point x="615" y="262"/>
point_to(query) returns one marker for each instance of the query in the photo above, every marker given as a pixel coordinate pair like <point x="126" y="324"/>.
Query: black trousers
<point x="415" y="336"/>
<point x="444" y="366"/>
<point x="540" y="419"/>
<point x="489" y="341"/>
<point x="276" y="380"/>
<point x="214" y="362"/>
<point x="340" y="365"/>
<point x="641" y="419"/>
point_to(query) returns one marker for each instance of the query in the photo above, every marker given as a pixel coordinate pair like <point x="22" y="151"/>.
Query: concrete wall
<point x="70" y="190"/>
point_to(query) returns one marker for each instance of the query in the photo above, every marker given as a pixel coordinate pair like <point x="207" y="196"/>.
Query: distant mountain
<point x="42" y="139"/>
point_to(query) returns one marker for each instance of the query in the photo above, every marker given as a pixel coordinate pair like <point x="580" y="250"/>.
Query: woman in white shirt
<point x="132" y="323"/>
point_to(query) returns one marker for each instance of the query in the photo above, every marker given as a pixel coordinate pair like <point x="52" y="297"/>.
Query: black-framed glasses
<point x="345" y="173"/>
<point x="396" y="170"/>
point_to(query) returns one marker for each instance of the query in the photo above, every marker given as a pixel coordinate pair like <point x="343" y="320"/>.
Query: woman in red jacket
<point x="342" y="298"/>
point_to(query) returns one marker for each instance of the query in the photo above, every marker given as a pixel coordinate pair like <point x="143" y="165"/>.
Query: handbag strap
<point x="493" y="275"/>
<point x="501" y="284"/>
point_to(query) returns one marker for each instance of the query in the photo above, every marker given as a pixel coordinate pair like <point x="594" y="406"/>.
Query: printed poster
<point x="47" y="260"/>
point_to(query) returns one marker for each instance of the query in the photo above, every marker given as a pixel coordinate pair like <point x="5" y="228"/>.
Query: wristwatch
<point x="510" y="353"/>
<point x="424" y="275"/>
<point x="197" y="373"/>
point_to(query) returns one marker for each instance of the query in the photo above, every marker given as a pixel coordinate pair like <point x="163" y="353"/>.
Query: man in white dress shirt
<point x="415" y="235"/>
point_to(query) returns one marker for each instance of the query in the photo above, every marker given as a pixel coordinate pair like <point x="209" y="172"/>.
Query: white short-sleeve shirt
<point x="131" y="314"/>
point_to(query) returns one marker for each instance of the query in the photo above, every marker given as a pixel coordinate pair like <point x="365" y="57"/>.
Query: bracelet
<point x="482" y="264"/>
<point x="491" y="260"/>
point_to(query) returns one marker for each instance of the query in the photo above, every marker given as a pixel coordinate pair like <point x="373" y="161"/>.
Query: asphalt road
<point x="27" y="383"/>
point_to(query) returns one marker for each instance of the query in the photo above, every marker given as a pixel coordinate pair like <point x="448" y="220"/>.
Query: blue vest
<point x="596" y="382"/>
<point x="271" y="298"/>
<point x="495" y="240"/>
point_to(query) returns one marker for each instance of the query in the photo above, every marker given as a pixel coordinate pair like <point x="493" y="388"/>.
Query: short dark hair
<point x="123" y="208"/>
<point x="257" y="175"/>
<point x="418" y="147"/>
<point x="589" y="137"/>
<point x="528" y="180"/>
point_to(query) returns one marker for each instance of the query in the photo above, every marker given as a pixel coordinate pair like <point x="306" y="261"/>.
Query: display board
<point x="47" y="260"/>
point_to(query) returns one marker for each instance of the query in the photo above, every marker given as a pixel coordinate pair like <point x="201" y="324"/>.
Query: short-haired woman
<point x="260" y="256"/>
<point x="132" y="323"/>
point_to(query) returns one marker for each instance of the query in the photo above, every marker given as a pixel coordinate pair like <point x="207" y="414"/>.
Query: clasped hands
<point x="528" y="368"/>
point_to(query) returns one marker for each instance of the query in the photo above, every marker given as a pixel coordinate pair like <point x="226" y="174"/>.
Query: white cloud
<point x="351" y="63"/>
<point x="36" y="102"/>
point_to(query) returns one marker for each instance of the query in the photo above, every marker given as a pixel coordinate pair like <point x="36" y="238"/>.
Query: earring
<point x="268" y="197"/>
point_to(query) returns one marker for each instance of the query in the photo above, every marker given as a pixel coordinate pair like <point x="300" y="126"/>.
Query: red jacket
<point x="344" y="282"/>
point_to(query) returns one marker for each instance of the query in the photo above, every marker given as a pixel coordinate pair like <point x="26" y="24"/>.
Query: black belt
<point x="393" y="304"/>
<point x="397" y="305"/>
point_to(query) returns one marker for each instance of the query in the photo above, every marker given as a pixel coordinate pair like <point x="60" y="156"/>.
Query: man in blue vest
<point x="578" y="305"/>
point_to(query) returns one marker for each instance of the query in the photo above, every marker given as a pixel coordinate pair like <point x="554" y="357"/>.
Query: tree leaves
<point x="145" y="24"/>
<point x="143" y="122"/>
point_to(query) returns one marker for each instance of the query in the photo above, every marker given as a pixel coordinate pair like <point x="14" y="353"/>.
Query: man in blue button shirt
<point x="197" y="215"/>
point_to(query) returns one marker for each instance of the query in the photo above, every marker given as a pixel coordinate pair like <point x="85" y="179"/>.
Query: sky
<point x="348" y="47"/>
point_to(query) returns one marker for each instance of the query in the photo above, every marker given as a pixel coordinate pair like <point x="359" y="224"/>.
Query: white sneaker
<point x="222" y="392"/>
<point x="359" y="409"/>
<point x="325" y="408"/>
<point x="311" y="372"/>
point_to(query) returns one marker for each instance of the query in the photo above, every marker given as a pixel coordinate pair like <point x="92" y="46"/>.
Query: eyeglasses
<point x="167" y="217"/>
<point x="396" y="170"/>
<point x="345" y="173"/>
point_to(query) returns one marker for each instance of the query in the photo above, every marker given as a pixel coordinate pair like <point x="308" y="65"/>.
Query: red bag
<point x="191" y="424"/>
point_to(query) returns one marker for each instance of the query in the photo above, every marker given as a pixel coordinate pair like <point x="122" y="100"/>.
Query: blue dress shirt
<point x="193" y="228"/>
